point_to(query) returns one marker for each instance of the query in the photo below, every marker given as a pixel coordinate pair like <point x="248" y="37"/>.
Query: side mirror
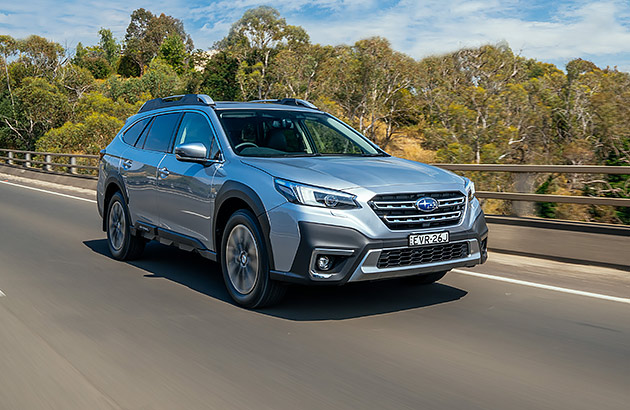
<point x="192" y="152"/>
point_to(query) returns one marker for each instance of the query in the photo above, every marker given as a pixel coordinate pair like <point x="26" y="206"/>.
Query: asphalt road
<point x="79" y="330"/>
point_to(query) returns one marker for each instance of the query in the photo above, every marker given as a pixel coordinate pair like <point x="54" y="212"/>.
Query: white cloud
<point x="551" y="31"/>
<point x="591" y="30"/>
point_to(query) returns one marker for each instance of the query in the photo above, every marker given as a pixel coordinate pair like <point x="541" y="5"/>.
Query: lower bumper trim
<point x="368" y="268"/>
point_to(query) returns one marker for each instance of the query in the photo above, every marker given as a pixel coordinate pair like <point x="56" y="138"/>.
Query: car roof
<point x="223" y="105"/>
<point x="232" y="105"/>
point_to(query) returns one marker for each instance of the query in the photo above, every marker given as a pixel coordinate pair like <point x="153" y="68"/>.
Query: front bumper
<point x="357" y="256"/>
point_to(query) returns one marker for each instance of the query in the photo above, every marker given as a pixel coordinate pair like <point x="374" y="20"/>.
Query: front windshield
<point x="276" y="133"/>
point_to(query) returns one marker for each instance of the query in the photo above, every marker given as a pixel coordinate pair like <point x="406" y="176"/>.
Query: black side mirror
<point x="192" y="152"/>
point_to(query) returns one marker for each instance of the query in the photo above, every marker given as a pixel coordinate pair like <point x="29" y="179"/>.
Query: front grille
<point x="426" y="254"/>
<point x="398" y="211"/>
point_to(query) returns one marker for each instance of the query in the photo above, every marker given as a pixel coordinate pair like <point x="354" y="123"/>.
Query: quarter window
<point x="133" y="133"/>
<point x="159" y="136"/>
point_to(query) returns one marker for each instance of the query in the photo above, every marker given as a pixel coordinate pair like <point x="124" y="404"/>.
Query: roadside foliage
<point x="475" y="105"/>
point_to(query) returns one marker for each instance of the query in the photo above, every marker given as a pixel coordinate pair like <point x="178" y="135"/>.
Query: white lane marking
<point x="45" y="184"/>
<point x="49" y="192"/>
<point x="2" y="294"/>
<point x="547" y="287"/>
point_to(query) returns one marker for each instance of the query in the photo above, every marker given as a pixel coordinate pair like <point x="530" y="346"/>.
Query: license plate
<point x="428" y="238"/>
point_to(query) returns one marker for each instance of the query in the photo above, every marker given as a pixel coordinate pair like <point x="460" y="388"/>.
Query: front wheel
<point x="122" y="244"/>
<point x="245" y="263"/>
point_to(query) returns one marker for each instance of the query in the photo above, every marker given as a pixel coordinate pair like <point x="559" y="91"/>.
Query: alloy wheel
<point x="117" y="225"/>
<point x="242" y="259"/>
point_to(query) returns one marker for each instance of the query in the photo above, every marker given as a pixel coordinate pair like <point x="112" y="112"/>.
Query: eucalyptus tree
<point x="374" y="87"/>
<point x="254" y="41"/>
<point x="146" y="33"/>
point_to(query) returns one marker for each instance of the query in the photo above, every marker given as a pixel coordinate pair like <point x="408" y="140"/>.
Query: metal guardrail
<point x="545" y="169"/>
<point x="539" y="169"/>
<point x="45" y="161"/>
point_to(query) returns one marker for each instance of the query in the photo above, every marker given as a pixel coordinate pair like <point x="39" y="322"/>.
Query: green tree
<point x="39" y="56"/>
<point x="161" y="80"/>
<point x="8" y="48"/>
<point x="373" y="86"/>
<point x="40" y="106"/>
<point x="75" y="80"/>
<point x="127" y="67"/>
<point x="173" y="52"/>
<point x="93" y="59"/>
<point x="254" y="40"/>
<point x="96" y="119"/>
<point x="219" y="77"/>
<point x="546" y="209"/>
<point x="89" y="136"/>
<point x="109" y="45"/>
<point x="299" y="69"/>
<point x="146" y="33"/>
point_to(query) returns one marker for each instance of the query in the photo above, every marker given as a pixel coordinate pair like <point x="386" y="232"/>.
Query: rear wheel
<point x="426" y="279"/>
<point x="245" y="263"/>
<point x="122" y="244"/>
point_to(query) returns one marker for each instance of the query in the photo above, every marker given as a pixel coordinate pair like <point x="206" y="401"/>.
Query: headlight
<point x="315" y="196"/>
<point x="470" y="189"/>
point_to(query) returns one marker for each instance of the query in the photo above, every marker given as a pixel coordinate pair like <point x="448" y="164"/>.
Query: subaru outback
<point x="278" y="191"/>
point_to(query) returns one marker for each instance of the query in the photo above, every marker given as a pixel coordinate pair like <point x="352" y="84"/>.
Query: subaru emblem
<point x="427" y="204"/>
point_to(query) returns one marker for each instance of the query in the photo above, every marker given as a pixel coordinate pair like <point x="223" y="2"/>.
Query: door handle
<point x="163" y="172"/>
<point x="127" y="163"/>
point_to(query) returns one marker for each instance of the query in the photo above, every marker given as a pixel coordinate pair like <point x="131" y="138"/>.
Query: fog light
<point x="324" y="263"/>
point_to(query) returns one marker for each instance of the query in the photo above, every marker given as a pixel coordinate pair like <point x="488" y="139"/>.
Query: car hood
<point x="352" y="172"/>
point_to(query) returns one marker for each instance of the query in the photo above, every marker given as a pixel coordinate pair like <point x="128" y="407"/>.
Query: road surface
<point x="79" y="330"/>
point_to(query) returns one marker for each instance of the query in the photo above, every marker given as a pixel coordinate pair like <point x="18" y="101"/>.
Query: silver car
<point x="278" y="191"/>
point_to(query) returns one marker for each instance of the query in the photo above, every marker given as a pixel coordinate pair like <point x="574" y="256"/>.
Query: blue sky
<point x="551" y="31"/>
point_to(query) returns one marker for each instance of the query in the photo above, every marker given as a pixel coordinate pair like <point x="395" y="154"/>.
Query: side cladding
<point x="233" y="196"/>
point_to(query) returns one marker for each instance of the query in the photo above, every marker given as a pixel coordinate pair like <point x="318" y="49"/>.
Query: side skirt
<point x="167" y="237"/>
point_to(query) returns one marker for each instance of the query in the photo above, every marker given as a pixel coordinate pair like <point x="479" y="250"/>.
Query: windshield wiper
<point x="378" y="154"/>
<point x="298" y="154"/>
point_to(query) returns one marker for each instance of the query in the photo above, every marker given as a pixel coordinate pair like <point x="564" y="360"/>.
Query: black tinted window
<point x="159" y="136"/>
<point x="131" y="135"/>
<point x="267" y="133"/>
<point x="194" y="128"/>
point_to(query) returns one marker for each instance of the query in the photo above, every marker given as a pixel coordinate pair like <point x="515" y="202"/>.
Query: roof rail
<point x="175" y="100"/>
<point x="289" y="101"/>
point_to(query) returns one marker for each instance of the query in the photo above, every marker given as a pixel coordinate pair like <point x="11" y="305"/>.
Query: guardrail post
<point x="523" y="183"/>
<point x="48" y="160"/>
<point x="10" y="161"/>
<point x="73" y="161"/>
<point x="27" y="164"/>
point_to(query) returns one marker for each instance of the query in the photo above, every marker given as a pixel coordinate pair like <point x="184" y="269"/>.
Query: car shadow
<point x="302" y="303"/>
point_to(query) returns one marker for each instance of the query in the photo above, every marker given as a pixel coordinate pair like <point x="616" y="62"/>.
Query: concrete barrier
<point x="567" y="241"/>
<point x="78" y="181"/>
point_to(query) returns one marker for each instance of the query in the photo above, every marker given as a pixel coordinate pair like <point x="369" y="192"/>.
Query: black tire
<point x="122" y="244"/>
<point x="425" y="279"/>
<point x="245" y="263"/>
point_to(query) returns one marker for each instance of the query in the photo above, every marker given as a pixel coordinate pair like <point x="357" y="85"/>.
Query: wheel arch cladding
<point x="113" y="185"/>
<point x="234" y="196"/>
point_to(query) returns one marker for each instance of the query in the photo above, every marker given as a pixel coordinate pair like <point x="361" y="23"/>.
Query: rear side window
<point x="194" y="128"/>
<point x="133" y="133"/>
<point x="159" y="136"/>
